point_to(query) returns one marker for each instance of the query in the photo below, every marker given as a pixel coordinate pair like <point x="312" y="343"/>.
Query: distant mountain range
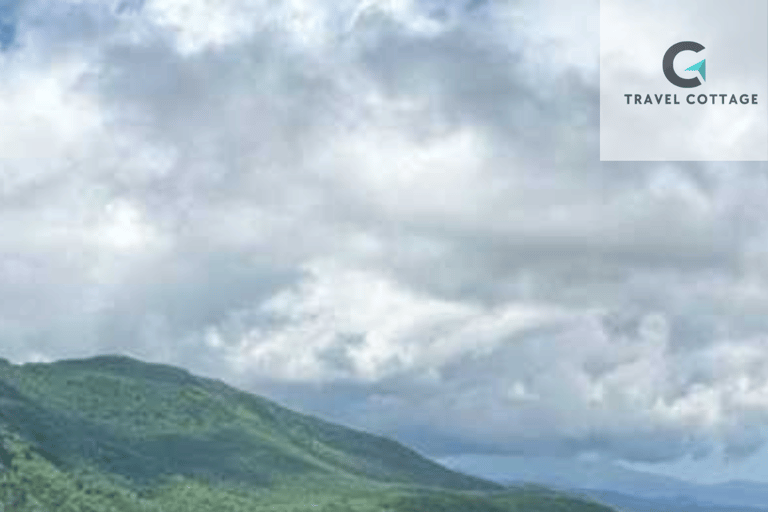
<point x="626" y="503"/>
<point x="626" y="489"/>
<point x="113" y="433"/>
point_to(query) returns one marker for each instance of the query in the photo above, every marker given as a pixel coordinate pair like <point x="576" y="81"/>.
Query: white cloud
<point x="325" y="331"/>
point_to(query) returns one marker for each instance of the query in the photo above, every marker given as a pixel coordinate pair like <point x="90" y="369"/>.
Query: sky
<point x="388" y="213"/>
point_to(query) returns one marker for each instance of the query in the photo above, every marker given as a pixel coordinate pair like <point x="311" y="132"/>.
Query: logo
<point x="731" y="98"/>
<point x="669" y="68"/>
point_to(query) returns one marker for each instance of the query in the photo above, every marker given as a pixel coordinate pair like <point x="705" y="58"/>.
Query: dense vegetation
<point x="115" y="434"/>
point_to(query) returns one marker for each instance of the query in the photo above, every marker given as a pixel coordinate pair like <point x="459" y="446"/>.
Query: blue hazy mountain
<point x="622" y="484"/>
<point x="626" y="503"/>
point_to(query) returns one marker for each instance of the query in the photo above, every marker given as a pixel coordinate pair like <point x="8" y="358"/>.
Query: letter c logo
<point x="669" y="60"/>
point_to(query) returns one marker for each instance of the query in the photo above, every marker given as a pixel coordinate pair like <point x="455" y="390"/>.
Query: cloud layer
<point x="391" y="211"/>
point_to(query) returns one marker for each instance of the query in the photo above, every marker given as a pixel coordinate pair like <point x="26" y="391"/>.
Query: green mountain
<point x="113" y="433"/>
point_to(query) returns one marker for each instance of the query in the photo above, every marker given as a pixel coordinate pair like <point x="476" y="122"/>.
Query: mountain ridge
<point x="153" y="433"/>
<point x="101" y="371"/>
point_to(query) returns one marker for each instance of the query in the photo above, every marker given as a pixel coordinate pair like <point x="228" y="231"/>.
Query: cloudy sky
<point x="388" y="212"/>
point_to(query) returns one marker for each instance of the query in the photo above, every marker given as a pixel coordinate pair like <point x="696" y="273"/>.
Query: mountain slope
<point x="152" y="430"/>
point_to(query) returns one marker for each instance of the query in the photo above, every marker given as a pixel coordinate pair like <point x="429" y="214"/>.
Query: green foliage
<point x="113" y="434"/>
<point x="144" y="421"/>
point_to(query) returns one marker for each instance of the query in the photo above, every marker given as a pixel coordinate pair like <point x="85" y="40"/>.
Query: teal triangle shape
<point x="701" y="67"/>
